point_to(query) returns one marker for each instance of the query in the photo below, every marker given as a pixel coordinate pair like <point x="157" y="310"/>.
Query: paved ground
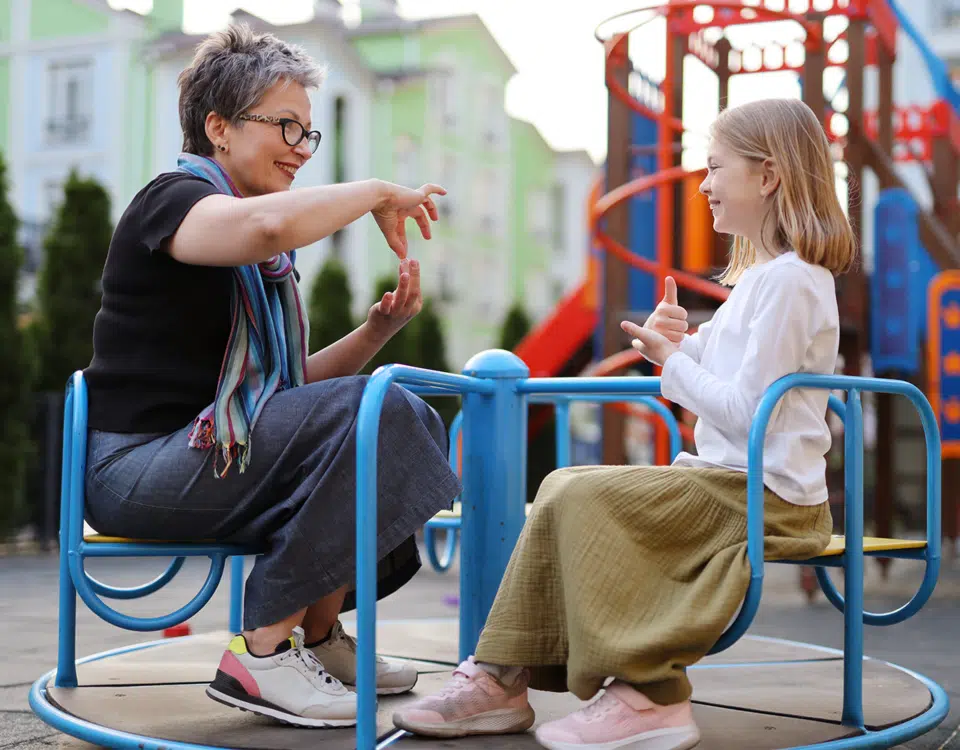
<point x="927" y="643"/>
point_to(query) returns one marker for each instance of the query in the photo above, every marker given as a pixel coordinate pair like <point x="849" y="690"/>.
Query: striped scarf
<point x="267" y="348"/>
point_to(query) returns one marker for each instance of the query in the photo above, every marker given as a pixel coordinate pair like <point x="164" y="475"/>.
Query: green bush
<point x="329" y="308"/>
<point x="428" y="343"/>
<point x="68" y="292"/>
<point x="541" y="447"/>
<point x="14" y="373"/>
<point x="429" y="350"/>
<point x="515" y="326"/>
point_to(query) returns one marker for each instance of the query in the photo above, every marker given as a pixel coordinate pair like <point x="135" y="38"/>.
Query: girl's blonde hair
<point x="806" y="212"/>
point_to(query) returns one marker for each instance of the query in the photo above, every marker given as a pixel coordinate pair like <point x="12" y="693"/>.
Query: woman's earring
<point x="222" y="147"/>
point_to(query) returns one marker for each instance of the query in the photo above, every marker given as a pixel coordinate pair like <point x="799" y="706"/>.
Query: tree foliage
<point x="329" y="307"/>
<point x="14" y="372"/>
<point x="68" y="292"/>
<point x="515" y="326"/>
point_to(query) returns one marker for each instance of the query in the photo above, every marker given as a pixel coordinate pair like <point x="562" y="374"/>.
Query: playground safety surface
<point x="760" y="694"/>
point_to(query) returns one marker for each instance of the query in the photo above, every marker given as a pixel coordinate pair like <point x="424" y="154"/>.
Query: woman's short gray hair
<point x="230" y="72"/>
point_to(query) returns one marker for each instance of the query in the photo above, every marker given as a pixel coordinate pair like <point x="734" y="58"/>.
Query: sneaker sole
<point x="501" y="721"/>
<point x="679" y="738"/>
<point x="277" y="713"/>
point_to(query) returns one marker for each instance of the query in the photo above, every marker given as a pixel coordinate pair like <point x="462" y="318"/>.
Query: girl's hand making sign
<point x="664" y="330"/>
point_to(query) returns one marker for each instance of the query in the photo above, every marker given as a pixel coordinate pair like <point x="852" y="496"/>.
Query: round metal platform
<point x="761" y="694"/>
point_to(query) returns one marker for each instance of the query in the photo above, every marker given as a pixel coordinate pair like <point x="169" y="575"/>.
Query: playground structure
<point x="821" y="703"/>
<point x="648" y="220"/>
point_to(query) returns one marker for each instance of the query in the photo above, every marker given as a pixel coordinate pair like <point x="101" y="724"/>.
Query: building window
<point x="339" y="162"/>
<point x="492" y="115"/>
<point x="446" y="282"/>
<point x="52" y="197"/>
<point x="70" y="108"/>
<point x="558" y="290"/>
<point x="489" y="203"/>
<point x="444" y="264"/>
<point x="406" y="161"/>
<point x="949" y="13"/>
<point x="557" y="215"/>
<point x="30" y="235"/>
<point x="448" y="179"/>
<point x="538" y="214"/>
<point x="340" y="139"/>
<point x="443" y="95"/>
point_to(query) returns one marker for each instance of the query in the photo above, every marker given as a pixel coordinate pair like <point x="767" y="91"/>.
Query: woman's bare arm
<point x="221" y="230"/>
<point x="345" y="357"/>
<point x="387" y="316"/>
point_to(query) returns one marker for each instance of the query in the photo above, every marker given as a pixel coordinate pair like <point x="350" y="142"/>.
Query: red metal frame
<point x="706" y="52"/>
<point x="915" y="128"/>
<point x="683" y="21"/>
<point x="629" y="190"/>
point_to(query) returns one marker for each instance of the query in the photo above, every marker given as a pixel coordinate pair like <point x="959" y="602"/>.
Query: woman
<point x="209" y="421"/>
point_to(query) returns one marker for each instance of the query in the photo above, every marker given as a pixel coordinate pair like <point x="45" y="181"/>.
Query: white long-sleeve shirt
<point x="780" y="318"/>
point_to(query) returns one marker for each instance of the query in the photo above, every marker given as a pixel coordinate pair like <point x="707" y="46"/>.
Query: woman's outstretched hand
<point x="399" y="307"/>
<point x="401" y="203"/>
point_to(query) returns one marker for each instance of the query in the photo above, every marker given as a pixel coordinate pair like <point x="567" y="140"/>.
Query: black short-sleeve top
<point x="161" y="333"/>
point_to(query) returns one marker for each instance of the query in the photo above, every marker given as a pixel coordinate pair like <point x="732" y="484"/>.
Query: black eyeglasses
<point x="293" y="131"/>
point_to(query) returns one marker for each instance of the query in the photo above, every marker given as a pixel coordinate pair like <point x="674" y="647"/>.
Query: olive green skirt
<point x="634" y="572"/>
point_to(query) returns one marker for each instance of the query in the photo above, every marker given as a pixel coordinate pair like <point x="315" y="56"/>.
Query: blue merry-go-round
<point x="750" y="692"/>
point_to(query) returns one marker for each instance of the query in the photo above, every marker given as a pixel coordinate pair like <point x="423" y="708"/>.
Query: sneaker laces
<point x="457" y="682"/>
<point x="308" y="658"/>
<point x="600" y="708"/>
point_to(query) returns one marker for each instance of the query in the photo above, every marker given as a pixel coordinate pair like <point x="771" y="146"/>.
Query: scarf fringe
<point x="267" y="348"/>
<point x="202" y="437"/>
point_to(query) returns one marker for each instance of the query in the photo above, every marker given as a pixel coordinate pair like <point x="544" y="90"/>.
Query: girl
<point x="632" y="573"/>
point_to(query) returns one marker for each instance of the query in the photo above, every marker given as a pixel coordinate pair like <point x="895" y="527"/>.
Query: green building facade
<point x="88" y="87"/>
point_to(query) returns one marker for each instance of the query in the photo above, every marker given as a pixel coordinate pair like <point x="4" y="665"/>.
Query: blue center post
<point x="494" y="485"/>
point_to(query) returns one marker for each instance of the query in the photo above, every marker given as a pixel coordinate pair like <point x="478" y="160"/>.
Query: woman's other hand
<point x="401" y="203"/>
<point x="399" y="307"/>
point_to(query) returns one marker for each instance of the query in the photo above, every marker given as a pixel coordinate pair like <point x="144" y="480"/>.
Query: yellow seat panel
<point x="457" y="511"/>
<point x="101" y="539"/>
<point x="837" y="545"/>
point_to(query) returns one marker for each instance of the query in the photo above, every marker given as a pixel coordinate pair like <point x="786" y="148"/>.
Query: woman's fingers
<point x="402" y="237"/>
<point x="420" y="215"/>
<point x="403" y="289"/>
<point x="413" y="293"/>
<point x="386" y="304"/>
<point x="431" y="209"/>
<point x="392" y="235"/>
<point x="431" y="188"/>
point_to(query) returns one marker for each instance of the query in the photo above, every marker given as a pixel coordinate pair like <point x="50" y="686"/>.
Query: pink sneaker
<point x="622" y="717"/>
<point x="473" y="702"/>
